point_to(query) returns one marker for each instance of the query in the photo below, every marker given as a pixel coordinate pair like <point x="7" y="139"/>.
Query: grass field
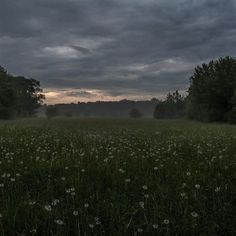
<point x="117" y="177"/>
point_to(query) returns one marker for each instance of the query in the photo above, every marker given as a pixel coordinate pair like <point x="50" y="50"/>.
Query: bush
<point x="135" y="113"/>
<point x="173" y="107"/>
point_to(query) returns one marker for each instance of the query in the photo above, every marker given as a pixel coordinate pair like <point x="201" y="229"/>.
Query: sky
<point x="89" y="50"/>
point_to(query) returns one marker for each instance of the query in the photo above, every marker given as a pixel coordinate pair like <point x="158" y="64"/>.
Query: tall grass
<point x="117" y="177"/>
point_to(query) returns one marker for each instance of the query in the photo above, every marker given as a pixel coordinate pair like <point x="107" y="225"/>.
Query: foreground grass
<point x="117" y="177"/>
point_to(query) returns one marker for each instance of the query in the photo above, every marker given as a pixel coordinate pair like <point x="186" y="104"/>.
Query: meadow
<point x="117" y="177"/>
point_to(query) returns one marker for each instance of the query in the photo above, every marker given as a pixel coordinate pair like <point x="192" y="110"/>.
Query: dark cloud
<point x="80" y="49"/>
<point x="121" y="47"/>
<point x="79" y="94"/>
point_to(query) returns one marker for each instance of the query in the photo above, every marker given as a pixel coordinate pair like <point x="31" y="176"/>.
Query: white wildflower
<point x="194" y="214"/>
<point x="59" y="222"/>
<point x="166" y="221"/>
<point x="48" y="207"/>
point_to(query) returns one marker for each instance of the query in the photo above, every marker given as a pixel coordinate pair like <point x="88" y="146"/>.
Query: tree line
<point x="19" y="96"/>
<point x="119" y="109"/>
<point x="211" y="97"/>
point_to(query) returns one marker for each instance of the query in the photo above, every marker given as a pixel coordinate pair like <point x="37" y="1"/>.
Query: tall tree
<point x="212" y="90"/>
<point x="18" y="96"/>
<point x="6" y="95"/>
<point x="28" y="96"/>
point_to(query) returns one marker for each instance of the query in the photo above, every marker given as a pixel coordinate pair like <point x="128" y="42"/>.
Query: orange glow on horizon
<point x="91" y="95"/>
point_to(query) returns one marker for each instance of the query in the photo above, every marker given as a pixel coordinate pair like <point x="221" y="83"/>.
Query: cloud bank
<point x="116" y="49"/>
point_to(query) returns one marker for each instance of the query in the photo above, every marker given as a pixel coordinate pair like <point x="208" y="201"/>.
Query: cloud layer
<point x="116" y="49"/>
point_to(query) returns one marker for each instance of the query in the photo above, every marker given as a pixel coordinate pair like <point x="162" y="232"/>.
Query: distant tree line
<point x="19" y="96"/>
<point x="211" y="95"/>
<point x="119" y="109"/>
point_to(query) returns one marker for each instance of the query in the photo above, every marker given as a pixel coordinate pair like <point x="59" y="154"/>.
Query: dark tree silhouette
<point x="6" y="95"/>
<point x="212" y="91"/>
<point x="171" y="108"/>
<point x="18" y="96"/>
<point x="107" y="108"/>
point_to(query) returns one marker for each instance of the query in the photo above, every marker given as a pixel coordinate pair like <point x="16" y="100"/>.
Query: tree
<point x="18" y="96"/>
<point x="135" y="113"/>
<point x="6" y="95"/>
<point x="212" y="90"/>
<point x="231" y="115"/>
<point x="172" y="107"/>
<point x="28" y="96"/>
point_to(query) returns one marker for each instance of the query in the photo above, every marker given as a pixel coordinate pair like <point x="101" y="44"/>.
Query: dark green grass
<point x="117" y="177"/>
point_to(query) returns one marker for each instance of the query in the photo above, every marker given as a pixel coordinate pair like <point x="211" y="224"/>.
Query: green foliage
<point x="18" y="96"/>
<point x="212" y="89"/>
<point x="173" y="107"/>
<point x="135" y="113"/>
<point x="6" y="95"/>
<point x="231" y="115"/>
<point x="117" y="177"/>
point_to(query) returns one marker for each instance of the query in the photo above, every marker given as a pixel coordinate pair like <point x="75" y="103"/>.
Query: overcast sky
<point x="86" y="50"/>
